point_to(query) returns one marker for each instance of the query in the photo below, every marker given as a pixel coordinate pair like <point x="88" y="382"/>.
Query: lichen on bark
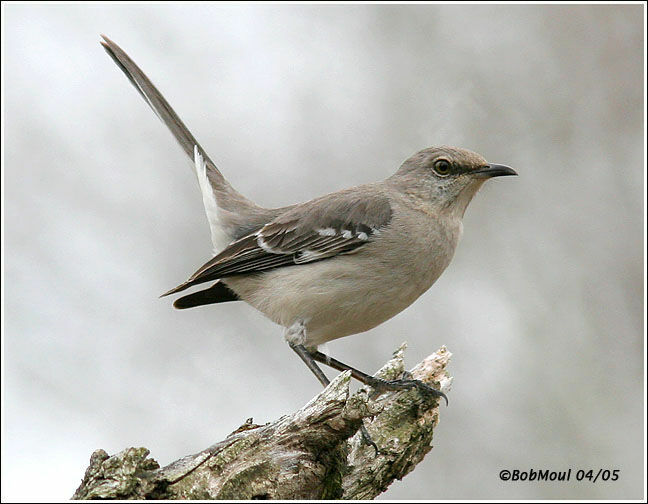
<point x="316" y="452"/>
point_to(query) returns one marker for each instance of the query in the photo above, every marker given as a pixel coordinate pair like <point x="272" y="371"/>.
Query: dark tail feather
<point x="217" y="293"/>
<point x="159" y="105"/>
<point x="181" y="133"/>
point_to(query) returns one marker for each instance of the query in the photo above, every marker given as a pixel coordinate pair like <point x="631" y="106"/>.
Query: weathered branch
<point x="316" y="452"/>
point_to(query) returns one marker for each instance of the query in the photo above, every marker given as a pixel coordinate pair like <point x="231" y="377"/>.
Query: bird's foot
<point x="380" y="386"/>
<point x="366" y="437"/>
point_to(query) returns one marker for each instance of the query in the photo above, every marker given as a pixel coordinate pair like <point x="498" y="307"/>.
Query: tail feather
<point x="160" y="106"/>
<point x="229" y="213"/>
<point x="217" y="293"/>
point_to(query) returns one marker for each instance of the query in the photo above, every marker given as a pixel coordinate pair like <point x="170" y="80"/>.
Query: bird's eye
<point x="442" y="167"/>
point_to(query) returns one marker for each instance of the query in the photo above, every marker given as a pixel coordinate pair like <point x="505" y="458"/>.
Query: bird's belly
<point x="337" y="297"/>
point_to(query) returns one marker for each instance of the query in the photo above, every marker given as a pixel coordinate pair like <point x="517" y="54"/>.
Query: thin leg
<point x="308" y="360"/>
<point x="340" y="366"/>
<point x="377" y="383"/>
<point x="307" y="357"/>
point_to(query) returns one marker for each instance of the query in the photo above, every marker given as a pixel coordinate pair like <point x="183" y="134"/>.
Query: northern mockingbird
<point x="336" y="265"/>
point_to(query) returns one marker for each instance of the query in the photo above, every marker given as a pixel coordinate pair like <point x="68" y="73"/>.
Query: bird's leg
<point x="312" y="365"/>
<point x="306" y="356"/>
<point x="295" y="335"/>
<point x="378" y="384"/>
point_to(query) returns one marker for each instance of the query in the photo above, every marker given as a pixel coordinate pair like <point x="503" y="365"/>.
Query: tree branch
<point x="316" y="452"/>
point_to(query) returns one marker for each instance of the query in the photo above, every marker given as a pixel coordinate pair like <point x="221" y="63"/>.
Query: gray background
<point x="542" y="305"/>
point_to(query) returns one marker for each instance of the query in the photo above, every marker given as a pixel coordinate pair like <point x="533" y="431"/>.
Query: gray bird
<point x="336" y="265"/>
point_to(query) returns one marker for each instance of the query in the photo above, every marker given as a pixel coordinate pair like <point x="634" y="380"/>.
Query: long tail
<point x="218" y="195"/>
<point x="159" y="105"/>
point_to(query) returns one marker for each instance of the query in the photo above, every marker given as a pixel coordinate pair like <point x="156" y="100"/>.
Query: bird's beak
<point x="494" y="170"/>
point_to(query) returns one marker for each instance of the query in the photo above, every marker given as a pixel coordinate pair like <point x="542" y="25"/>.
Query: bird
<point x="336" y="265"/>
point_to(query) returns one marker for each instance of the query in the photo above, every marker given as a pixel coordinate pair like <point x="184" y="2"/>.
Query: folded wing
<point x="339" y="223"/>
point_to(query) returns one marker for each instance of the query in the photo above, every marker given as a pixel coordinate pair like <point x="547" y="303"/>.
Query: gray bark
<point x="316" y="452"/>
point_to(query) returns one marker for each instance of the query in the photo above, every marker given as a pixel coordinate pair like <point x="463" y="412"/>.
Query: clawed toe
<point x="426" y="389"/>
<point x="406" y="384"/>
<point x="366" y="437"/>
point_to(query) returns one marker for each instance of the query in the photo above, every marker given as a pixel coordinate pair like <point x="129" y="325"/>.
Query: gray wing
<point x="339" y="223"/>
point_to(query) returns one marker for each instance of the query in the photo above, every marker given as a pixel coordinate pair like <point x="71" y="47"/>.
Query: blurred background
<point x="542" y="305"/>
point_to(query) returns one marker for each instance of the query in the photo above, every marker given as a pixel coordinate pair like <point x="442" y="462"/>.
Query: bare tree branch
<point x="313" y="453"/>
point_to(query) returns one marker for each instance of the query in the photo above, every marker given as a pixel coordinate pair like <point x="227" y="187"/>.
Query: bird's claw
<point x="366" y="437"/>
<point x="406" y="384"/>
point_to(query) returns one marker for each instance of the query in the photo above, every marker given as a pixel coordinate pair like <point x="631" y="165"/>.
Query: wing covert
<point x="313" y="231"/>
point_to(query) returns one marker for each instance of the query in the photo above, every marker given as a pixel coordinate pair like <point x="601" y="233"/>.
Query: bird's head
<point x="444" y="179"/>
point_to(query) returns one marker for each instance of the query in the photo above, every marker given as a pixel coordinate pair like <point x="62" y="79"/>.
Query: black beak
<point x="494" y="170"/>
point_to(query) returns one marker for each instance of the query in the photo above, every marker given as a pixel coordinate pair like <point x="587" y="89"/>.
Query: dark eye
<point x="442" y="167"/>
